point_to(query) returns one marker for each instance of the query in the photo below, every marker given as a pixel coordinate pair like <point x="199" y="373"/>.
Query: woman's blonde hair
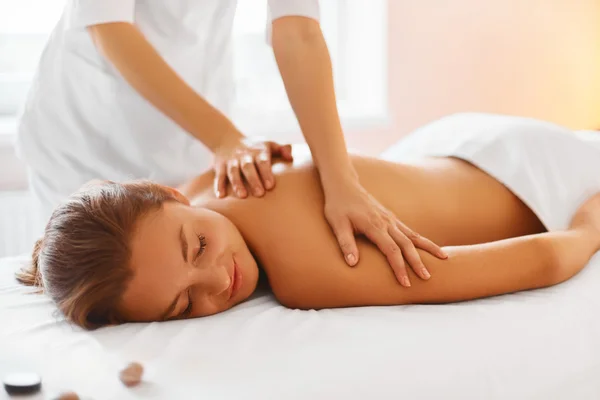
<point x="82" y="261"/>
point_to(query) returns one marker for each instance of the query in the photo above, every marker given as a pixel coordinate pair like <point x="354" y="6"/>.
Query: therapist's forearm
<point x="150" y="75"/>
<point x="305" y="66"/>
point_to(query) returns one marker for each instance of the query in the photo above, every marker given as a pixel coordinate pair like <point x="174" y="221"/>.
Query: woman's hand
<point x="247" y="159"/>
<point x="349" y="209"/>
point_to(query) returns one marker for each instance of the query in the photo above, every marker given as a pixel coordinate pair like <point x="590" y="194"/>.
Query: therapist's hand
<point x="247" y="161"/>
<point x="350" y="210"/>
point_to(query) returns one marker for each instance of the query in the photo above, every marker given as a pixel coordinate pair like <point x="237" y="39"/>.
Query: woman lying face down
<point x="139" y="251"/>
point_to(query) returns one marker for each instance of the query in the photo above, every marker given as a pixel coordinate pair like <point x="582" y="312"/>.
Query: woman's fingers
<point x="233" y="173"/>
<point x="263" y="164"/>
<point x="220" y="180"/>
<point x="251" y="175"/>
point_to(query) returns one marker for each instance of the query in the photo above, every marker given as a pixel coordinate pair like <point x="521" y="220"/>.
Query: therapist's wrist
<point x="336" y="177"/>
<point x="225" y="139"/>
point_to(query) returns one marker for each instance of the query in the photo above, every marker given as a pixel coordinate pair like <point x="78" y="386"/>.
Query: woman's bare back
<point x="447" y="200"/>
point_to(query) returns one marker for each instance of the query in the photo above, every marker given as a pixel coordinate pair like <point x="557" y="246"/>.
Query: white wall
<point x="538" y="58"/>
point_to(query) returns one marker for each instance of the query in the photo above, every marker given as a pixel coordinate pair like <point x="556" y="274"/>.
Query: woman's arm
<point x="470" y="272"/>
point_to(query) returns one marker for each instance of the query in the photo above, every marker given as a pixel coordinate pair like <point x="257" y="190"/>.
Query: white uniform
<point x="83" y="121"/>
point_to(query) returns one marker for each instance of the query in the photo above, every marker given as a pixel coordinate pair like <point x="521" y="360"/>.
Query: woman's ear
<point x="180" y="197"/>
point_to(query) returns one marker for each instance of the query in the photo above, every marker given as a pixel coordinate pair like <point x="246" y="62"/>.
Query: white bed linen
<point x="542" y="344"/>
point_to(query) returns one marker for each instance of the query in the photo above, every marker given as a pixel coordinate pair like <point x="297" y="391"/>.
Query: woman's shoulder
<point x="291" y="178"/>
<point x="303" y="161"/>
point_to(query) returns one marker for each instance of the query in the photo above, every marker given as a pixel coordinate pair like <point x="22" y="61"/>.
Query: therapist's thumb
<point x="285" y="152"/>
<point x="345" y="237"/>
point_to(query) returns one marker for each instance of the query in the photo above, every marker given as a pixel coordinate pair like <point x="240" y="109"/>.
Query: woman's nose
<point x="215" y="280"/>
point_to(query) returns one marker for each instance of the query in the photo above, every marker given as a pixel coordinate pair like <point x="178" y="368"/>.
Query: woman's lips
<point x="236" y="281"/>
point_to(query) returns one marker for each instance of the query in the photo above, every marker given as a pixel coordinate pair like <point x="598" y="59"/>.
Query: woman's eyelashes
<point x="188" y="309"/>
<point x="202" y="247"/>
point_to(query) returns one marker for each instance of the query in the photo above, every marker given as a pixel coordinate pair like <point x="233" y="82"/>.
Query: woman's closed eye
<point x="202" y="247"/>
<point x="202" y="242"/>
<point x="188" y="310"/>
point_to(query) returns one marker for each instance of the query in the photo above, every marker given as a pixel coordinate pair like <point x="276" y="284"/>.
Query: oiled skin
<point x="447" y="200"/>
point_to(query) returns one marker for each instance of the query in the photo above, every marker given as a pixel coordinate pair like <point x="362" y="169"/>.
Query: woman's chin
<point x="249" y="285"/>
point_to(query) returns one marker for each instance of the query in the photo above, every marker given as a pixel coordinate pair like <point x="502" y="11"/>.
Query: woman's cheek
<point x="218" y="246"/>
<point x="221" y="235"/>
<point x="210" y="308"/>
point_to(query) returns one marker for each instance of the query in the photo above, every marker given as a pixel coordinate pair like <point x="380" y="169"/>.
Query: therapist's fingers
<point x="285" y="152"/>
<point x="388" y="246"/>
<point x="220" y="180"/>
<point x="342" y="229"/>
<point x="233" y="173"/>
<point x="251" y="175"/>
<point x="263" y="163"/>
<point x="409" y="252"/>
<point x="422" y="242"/>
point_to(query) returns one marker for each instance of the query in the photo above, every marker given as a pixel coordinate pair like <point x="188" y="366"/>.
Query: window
<point x="355" y="31"/>
<point x="23" y="34"/>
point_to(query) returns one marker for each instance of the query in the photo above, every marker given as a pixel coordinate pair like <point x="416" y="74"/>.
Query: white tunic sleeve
<point x="84" y="13"/>
<point x="283" y="8"/>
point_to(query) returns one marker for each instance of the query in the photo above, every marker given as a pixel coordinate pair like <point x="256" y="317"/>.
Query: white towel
<point x="552" y="169"/>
